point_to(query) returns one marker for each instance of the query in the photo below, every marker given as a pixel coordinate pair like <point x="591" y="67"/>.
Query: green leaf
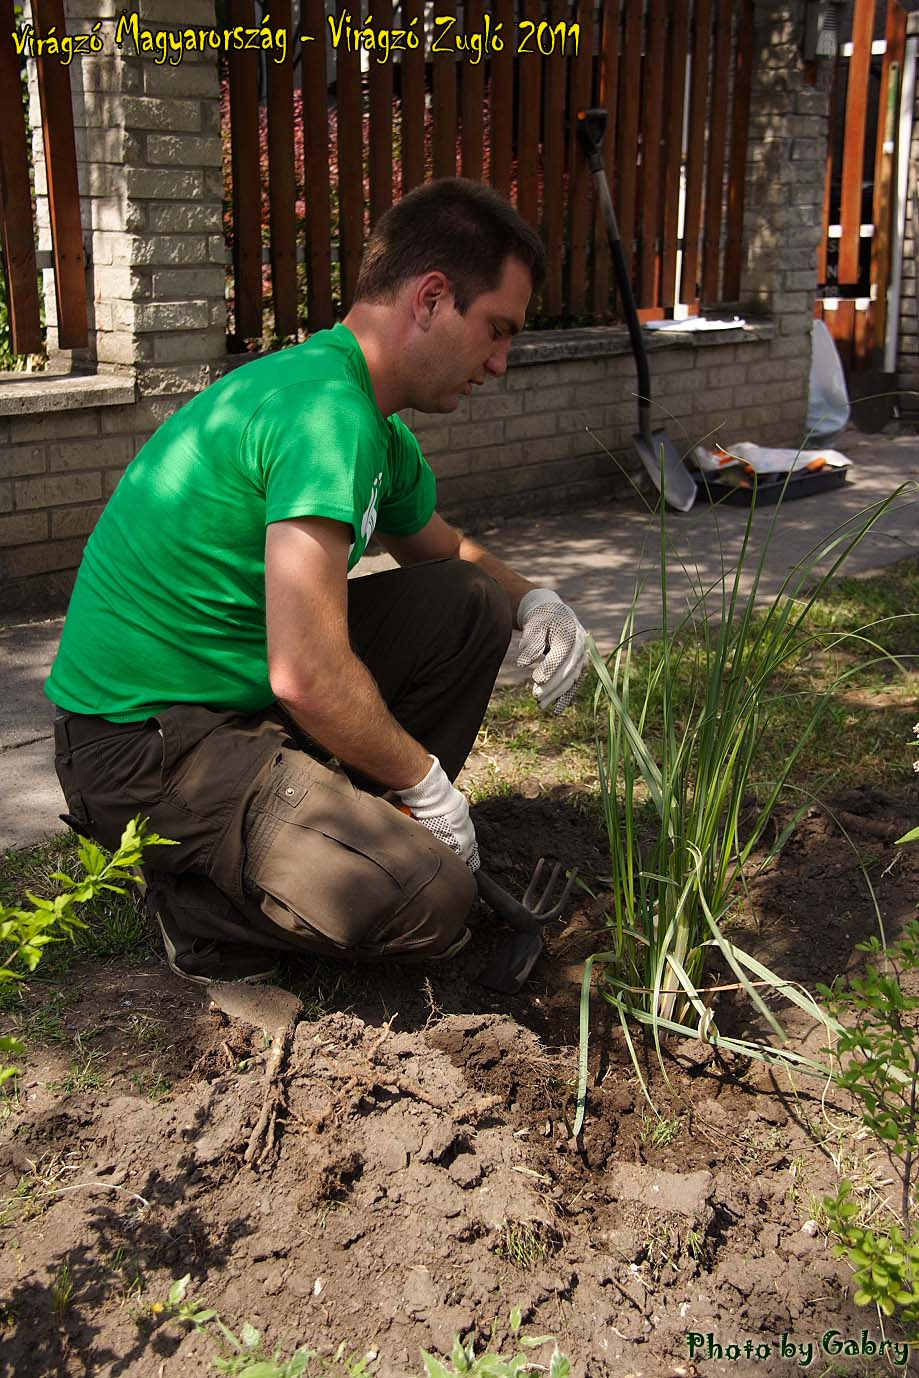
<point x="250" y="1336"/>
<point x="461" y="1358"/>
<point x="178" y="1289"/>
<point x="298" y="1362"/>
<point x="433" y="1368"/>
<point x="559" y="1367"/>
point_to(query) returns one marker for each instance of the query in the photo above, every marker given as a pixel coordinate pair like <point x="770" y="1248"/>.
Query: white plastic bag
<point x="828" y="400"/>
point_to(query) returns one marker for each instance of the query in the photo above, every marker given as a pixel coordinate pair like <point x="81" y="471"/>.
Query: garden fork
<point x="516" y="956"/>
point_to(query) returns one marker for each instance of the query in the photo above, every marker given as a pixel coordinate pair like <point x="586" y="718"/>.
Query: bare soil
<point x="419" y="1178"/>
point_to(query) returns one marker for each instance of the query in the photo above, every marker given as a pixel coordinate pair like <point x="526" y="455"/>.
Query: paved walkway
<point x="593" y="557"/>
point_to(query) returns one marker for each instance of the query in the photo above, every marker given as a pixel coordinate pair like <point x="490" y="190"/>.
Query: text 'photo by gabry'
<point x="442" y="36"/>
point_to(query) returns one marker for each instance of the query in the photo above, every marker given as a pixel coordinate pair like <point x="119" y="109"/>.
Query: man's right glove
<point x="441" y="808"/>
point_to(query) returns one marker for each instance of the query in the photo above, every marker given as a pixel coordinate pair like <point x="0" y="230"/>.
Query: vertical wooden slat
<point x="472" y="82"/>
<point x="607" y="97"/>
<point x="627" y="140"/>
<point x="350" y="160"/>
<point x="695" y="164"/>
<point x="317" y="182"/>
<point x="823" y="248"/>
<point x="853" y="158"/>
<point x="528" y="125"/>
<point x="714" y="180"/>
<point x="679" y="46"/>
<point x="580" y="207"/>
<point x="501" y="121"/>
<point x="281" y="182"/>
<point x="841" y="324"/>
<point x="553" y="201"/>
<point x="247" y="184"/>
<point x="883" y="170"/>
<point x="652" y="129"/>
<point x="412" y="116"/>
<point x="444" y="68"/>
<point x="16" y="199"/>
<point x="63" y="187"/>
<point x="737" y="171"/>
<point x="380" y="88"/>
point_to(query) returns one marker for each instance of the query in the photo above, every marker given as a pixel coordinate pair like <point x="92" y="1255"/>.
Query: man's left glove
<point x="555" y="644"/>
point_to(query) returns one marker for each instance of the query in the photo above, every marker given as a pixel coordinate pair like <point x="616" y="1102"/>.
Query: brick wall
<point x="539" y="436"/>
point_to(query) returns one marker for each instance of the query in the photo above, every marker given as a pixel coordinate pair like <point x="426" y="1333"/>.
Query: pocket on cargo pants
<point x="343" y="872"/>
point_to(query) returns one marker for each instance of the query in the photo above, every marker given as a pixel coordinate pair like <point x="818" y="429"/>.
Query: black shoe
<point x="203" y="960"/>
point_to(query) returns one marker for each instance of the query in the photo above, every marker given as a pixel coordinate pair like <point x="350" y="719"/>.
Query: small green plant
<point x="878" y="1052"/>
<point x="464" y="1359"/>
<point x="247" y="1357"/>
<point x="657" y="1131"/>
<point x="525" y="1243"/>
<point x="62" y="1287"/>
<point x="26" y="932"/>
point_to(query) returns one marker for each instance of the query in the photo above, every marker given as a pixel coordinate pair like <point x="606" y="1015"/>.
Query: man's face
<point x="462" y="352"/>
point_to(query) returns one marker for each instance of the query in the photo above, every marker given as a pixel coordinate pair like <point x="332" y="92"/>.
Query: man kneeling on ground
<point x="219" y="673"/>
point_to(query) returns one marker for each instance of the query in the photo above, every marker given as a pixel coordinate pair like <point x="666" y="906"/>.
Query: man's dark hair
<point x="454" y="226"/>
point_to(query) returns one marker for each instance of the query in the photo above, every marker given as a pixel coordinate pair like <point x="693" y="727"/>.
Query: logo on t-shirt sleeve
<point x="369" y="519"/>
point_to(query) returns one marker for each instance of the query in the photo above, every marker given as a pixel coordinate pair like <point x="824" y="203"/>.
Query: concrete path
<point x="593" y="557"/>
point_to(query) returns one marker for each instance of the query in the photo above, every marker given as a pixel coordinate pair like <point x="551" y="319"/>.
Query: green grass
<point x="866" y="726"/>
<point x="86" y="1071"/>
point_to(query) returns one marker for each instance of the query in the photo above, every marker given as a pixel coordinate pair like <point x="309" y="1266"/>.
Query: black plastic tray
<point x="770" y="488"/>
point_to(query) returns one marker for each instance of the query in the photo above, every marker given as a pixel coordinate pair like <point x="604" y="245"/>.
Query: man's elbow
<point x="298" y="690"/>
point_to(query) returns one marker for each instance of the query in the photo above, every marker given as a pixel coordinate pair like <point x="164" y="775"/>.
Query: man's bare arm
<point x="439" y="540"/>
<point x="314" y="673"/>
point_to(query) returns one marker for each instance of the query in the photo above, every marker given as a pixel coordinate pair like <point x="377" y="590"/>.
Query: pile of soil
<point x="419" y="1178"/>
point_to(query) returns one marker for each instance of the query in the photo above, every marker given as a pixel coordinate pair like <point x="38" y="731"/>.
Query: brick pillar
<point x="786" y="167"/>
<point x="149" y="153"/>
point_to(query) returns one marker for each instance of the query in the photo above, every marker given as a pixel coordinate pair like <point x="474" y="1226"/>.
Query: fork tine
<point x="523" y="915"/>
<point x="530" y="893"/>
<point x="542" y="908"/>
<point x="542" y="903"/>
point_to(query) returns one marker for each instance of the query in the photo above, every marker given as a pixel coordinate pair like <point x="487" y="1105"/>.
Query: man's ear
<point x="431" y="292"/>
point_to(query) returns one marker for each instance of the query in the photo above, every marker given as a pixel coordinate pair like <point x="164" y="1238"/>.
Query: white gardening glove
<point x="443" y="811"/>
<point x="555" y="644"/>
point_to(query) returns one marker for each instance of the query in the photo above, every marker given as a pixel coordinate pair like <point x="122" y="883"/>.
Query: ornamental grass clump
<point x="679" y="723"/>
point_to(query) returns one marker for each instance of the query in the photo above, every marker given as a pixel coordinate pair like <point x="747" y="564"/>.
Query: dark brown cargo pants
<point x="281" y="849"/>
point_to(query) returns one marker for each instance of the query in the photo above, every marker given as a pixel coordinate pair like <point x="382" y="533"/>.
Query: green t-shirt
<point x="169" y="602"/>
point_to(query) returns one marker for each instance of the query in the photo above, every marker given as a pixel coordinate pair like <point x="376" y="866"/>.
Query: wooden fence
<point x="17" y="218"/>
<point x="860" y="237"/>
<point x="322" y="149"/>
<point x="319" y="149"/>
